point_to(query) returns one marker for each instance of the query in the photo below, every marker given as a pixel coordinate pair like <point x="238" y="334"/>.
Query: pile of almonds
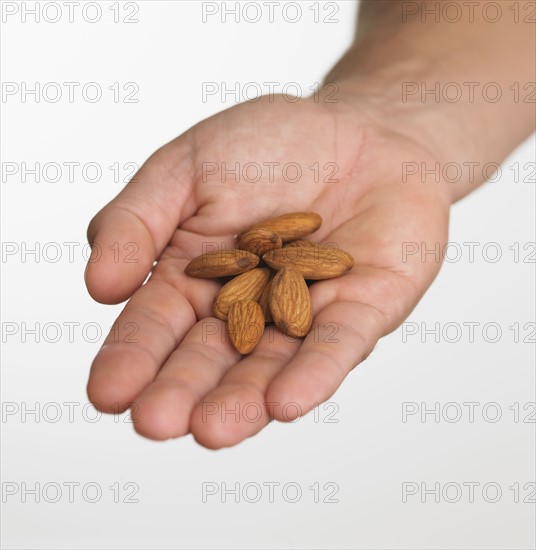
<point x="277" y="293"/>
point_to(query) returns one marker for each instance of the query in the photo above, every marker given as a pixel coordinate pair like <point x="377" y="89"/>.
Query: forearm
<point x="458" y="84"/>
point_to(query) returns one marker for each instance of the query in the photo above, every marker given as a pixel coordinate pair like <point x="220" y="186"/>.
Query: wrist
<point x="451" y="89"/>
<point x="461" y="152"/>
<point x="389" y="140"/>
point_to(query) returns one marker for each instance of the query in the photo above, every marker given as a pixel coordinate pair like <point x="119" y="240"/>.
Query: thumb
<point x="131" y="231"/>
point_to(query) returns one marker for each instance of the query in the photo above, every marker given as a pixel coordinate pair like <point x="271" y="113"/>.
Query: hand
<point x="179" y="369"/>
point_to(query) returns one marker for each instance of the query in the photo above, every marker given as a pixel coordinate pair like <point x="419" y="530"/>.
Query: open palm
<point x="168" y="358"/>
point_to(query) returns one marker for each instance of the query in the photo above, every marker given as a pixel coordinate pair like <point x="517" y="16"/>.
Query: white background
<point x="369" y="452"/>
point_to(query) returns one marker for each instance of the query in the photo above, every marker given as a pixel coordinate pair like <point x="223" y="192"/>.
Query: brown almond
<point x="246" y="325"/>
<point x="264" y="301"/>
<point x="290" y="303"/>
<point x="301" y="242"/>
<point x="248" y="286"/>
<point x="259" y="241"/>
<point x="313" y="262"/>
<point x="221" y="263"/>
<point x="290" y="226"/>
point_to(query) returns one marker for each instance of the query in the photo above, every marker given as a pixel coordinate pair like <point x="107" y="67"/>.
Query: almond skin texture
<point x="248" y="286"/>
<point x="259" y="241"/>
<point x="290" y="303"/>
<point x="221" y="263"/>
<point x="289" y="226"/>
<point x="313" y="262"/>
<point x="301" y="242"/>
<point x="264" y="301"/>
<point x="246" y="325"/>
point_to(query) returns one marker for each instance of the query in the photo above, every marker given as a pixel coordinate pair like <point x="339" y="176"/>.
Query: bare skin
<point x="178" y="366"/>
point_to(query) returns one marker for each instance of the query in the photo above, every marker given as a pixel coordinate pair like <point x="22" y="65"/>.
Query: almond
<point x="301" y="242"/>
<point x="264" y="301"/>
<point x="221" y="263"/>
<point x="248" y="286"/>
<point x="259" y="241"/>
<point x="290" y="303"/>
<point x="289" y="226"/>
<point x="246" y="325"/>
<point x="313" y="262"/>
